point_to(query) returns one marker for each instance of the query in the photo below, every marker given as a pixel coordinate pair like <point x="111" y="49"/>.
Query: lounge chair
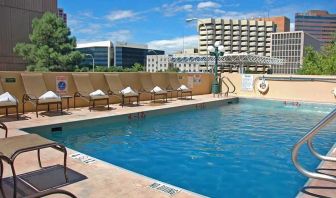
<point x="8" y="101"/>
<point x="37" y="92"/>
<point x="148" y="87"/>
<point x="85" y="90"/>
<point x="12" y="147"/>
<point x="116" y="88"/>
<point x="175" y="84"/>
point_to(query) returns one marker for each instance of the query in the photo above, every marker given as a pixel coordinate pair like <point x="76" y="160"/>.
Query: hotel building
<point x="282" y="23"/>
<point x="16" y="24"/>
<point x="62" y="15"/>
<point x="123" y="54"/>
<point x="289" y="46"/>
<point x="236" y="36"/>
<point x="318" y="23"/>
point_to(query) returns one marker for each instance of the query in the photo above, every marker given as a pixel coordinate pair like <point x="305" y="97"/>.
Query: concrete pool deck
<point x="102" y="178"/>
<point x="107" y="180"/>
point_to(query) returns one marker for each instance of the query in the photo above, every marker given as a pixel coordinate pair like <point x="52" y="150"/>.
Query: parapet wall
<point x="291" y="90"/>
<point x="12" y="82"/>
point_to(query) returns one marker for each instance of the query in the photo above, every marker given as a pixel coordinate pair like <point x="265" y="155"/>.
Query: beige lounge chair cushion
<point x="128" y="91"/>
<point x="158" y="90"/>
<point x="6" y="99"/>
<point x="48" y="97"/>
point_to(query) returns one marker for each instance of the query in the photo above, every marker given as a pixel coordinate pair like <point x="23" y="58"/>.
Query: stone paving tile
<point x="103" y="179"/>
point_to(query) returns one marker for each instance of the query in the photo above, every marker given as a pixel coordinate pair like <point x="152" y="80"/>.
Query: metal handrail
<point x="234" y="87"/>
<point x="227" y="87"/>
<point x="308" y="138"/>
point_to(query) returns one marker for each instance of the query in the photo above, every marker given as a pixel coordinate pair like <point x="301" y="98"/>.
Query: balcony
<point x="236" y="28"/>
<point x="244" y="33"/>
<point x="227" y="32"/>
<point x="252" y="49"/>
<point x="203" y="33"/>
<point x="261" y="39"/>
<point x="204" y="38"/>
<point x="219" y="27"/>
<point x="236" y="38"/>
<point x="261" y="44"/>
<point x="227" y="48"/>
<point x="261" y="34"/>
<point x="261" y="49"/>
<point x="244" y="38"/>
<point x="268" y="54"/>
<point x="253" y="34"/>
<point x="219" y="32"/>
<point x="268" y="44"/>
<point x="235" y="48"/>
<point x="244" y="48"/>
<point x="208" y="27"/>
<point x="252" y="43"/>
<point x="269" y="29"/>
<point x="218" y="37"/>
<point x="227" y="37"/>
<point x="268" y="39"/>
<point x="235" y="43"/>
<point x="253" y="28"/>
<point x="244" y="28"/>
<point x="261" y="29"/>
<point x="227" y="43"/>
<point x="244" y="43"/>
<point x="236" y="33"/>
<point x="227" y="27"/>
<point x="253" y="39"/>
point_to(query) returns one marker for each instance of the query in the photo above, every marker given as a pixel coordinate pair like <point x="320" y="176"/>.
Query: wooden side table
<point x="67" y="97"/>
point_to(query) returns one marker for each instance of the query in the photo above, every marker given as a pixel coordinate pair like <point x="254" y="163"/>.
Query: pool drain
<point x="165" y="188"/>
<point x="83" y="158"/>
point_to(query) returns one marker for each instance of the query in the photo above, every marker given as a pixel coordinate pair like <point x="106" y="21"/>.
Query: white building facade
<point x="236" y="36"/>
<point x="160" y="63"/>
<point x="289" y="46"/>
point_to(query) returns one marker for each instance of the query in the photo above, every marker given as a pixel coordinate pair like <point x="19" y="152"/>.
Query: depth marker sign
<point x="61" y="84"/>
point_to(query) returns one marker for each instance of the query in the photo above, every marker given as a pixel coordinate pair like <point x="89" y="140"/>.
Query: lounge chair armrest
<point x="29" y="97"/>
<point x="4" y="127"/>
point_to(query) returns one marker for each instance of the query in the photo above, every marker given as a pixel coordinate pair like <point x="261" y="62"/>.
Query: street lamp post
<point x="216" y="51"/>
<point x="93" y="61"/>
<point x="206" y="29"/>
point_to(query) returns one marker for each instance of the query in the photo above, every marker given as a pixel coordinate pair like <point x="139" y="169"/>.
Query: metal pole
<point x="93" y="61"/>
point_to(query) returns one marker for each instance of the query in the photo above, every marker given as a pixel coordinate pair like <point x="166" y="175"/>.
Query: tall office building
<point x="282" y="23"/>
<point x="289" y="46"/>
<point x="16" y="24"/>
<point x="107" y="54"/>
<point x="236" y="36"/>
<point x="318" y="23"/>
<point x="62" y="15"/>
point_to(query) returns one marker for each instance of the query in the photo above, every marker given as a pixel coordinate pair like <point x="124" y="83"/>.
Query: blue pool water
<point x="236" y="150"/>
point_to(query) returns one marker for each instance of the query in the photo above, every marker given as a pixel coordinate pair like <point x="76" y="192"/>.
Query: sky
<point x="161" y="23"/>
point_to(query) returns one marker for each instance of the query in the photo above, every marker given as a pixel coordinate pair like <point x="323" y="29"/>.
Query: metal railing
<point x="227" y="87"/>
<point x="308" y="139"/>
<point x="233" y="86"/>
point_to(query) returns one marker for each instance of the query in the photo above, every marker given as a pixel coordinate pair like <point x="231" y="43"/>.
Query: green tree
<point x="51" y="48"/>
<point x="137" y="67"/>
<point x="320" y="63"/>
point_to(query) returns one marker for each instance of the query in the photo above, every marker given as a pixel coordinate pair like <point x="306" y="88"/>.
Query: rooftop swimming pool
<point x="241" y="149"/>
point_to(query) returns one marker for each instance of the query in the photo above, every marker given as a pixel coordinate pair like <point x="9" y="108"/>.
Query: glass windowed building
<point x="318" y="23"/>
<point x="107" y="54"/>
<point x="289" y="46"/>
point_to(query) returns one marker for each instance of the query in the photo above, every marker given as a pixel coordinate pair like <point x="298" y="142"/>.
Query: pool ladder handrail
<point x="227" y="87"/>
<point x="222" y="81"/>
<point x="308" y="139"/>
<point x="228" y="79"/>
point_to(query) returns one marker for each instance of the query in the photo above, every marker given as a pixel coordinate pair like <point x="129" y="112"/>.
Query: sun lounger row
<point x="37" y="94"/>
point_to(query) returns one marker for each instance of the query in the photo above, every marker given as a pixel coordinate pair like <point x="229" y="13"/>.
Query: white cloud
<point x="173" y="8"/>
<point x="119" y="35"/>
<point x="175" y="44"/>
<point x="121" y="15"/>
<point x="207" y="5"/>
